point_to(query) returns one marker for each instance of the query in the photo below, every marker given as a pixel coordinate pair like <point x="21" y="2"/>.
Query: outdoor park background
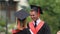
<point x="51" y="13"/>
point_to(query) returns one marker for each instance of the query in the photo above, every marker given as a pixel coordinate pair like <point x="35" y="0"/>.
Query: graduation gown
<point x="24" y="31"/>
<point x="44" y="29"/>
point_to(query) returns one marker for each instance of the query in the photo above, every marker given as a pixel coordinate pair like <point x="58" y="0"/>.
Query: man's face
<point x="33" y="15"/>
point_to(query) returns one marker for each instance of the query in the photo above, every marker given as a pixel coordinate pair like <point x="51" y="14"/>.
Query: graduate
<point x="21" y="25"/>
<point x="37" y="26"/>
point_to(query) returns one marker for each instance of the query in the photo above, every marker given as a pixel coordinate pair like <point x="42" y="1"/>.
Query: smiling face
<point x="34" y="15"/>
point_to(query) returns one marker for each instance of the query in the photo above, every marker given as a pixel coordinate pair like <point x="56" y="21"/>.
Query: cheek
<point x="36" y="16"/>
<point x="33" y="17"/>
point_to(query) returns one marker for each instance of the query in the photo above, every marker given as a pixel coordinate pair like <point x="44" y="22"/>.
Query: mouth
<point x="33" y="19"/>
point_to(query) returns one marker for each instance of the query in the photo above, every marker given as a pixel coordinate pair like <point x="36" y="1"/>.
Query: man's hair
<point x="33" y="11"/>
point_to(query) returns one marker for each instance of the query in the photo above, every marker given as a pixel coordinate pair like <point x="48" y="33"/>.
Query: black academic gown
<point x="22" y="31"/>
<point x="44" y="30"/>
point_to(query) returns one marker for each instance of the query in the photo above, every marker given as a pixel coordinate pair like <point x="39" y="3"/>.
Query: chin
<point x="34" y="20"/>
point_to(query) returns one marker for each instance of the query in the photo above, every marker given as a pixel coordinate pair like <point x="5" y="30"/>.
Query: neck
<point x="37" y="19"/>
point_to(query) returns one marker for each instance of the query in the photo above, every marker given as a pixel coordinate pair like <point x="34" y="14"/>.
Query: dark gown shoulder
<point x="24" y="31"/>
<point x="45" y="29"/>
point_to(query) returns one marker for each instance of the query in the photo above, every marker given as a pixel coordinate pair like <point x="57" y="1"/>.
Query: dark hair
<point x="34" y="11"/>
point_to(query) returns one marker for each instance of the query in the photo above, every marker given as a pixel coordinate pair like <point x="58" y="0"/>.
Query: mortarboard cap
<point x="36" y="8"/>
<point x="21" y="14"/>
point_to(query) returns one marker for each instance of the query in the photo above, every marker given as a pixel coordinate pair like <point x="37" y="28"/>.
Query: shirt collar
<point x="38" y="21"/>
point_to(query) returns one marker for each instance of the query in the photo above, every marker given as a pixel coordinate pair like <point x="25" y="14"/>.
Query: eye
<point x="31" y="15"/>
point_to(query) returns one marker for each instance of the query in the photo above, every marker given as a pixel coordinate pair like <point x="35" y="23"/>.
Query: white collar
<point x="38" y="21"/>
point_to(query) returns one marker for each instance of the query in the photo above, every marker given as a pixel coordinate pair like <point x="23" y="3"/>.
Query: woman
<point x="21" y="25"/>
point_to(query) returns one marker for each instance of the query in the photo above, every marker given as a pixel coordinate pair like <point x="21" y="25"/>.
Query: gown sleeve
<point x="47" y="29"/>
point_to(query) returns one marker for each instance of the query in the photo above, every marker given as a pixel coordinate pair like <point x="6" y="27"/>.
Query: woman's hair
<point x="22" y="20"/>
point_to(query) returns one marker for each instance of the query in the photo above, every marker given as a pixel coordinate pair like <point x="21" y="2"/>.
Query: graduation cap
<point x="21" y="14"/>
<point x="37" y="9"/>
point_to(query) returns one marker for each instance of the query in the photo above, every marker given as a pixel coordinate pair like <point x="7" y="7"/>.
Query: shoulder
<point x="24" y="31"/>
<point x="46" y="26"/>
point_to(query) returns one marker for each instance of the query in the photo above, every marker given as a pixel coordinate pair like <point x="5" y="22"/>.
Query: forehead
<point x="33" y="11"/>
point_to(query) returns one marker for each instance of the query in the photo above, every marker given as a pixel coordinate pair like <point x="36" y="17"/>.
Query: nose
<point x="32" y="16"/>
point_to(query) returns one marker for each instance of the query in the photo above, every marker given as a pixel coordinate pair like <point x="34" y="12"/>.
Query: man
<point x="37" y="26"/>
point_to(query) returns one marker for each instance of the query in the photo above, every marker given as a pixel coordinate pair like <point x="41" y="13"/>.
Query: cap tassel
<point x="38" y="12"/>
